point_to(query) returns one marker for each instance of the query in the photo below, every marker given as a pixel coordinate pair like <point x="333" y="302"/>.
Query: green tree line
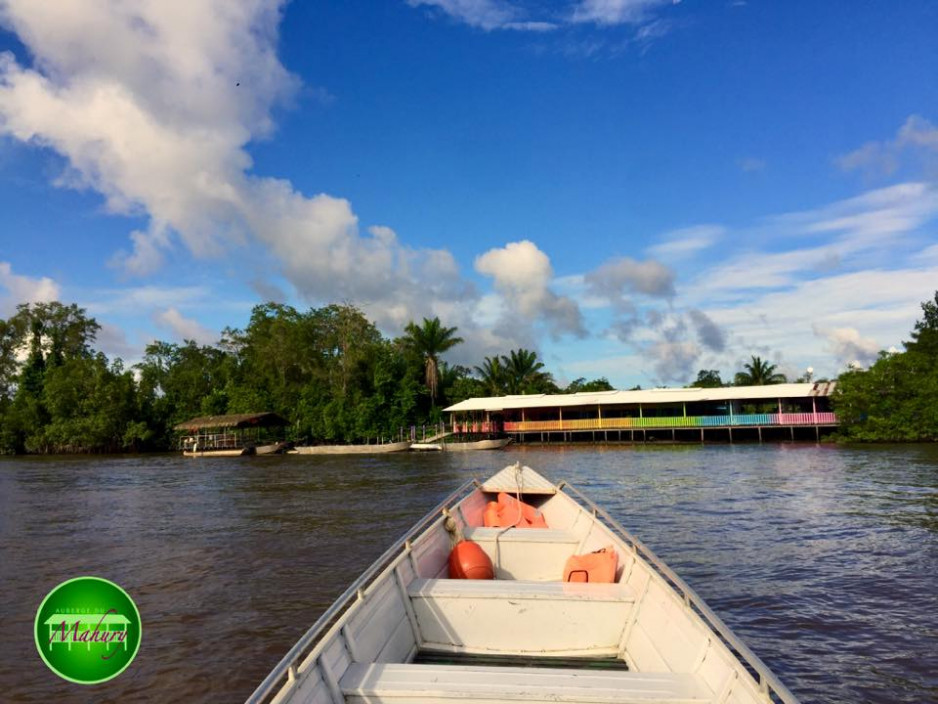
<point x="332" y="374"/>
<point x="896" y="399"/>
<point x="329" y="371"/>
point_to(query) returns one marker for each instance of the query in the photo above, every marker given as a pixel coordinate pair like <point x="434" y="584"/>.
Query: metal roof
<point x="649" y="396"/>
<point x="238" y="420"/>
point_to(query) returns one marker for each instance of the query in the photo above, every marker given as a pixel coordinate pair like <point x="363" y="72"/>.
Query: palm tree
<point x="759" y="373"/>
<point x="523" y="371"/>
<point x="492" y="374"/>
<point x="429" y="341"/>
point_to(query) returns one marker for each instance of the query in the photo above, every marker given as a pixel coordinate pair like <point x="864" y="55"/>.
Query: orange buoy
<point x="599" y="566"/>
<point x="468" y="560"/>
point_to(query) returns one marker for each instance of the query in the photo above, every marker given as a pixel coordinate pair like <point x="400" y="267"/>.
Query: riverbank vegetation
<point x="896" y="399"/>
<point x="337" y="379"/>
<point x="328" y="370"/>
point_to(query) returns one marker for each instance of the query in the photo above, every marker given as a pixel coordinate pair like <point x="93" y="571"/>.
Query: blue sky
<point x="638" y="189"/>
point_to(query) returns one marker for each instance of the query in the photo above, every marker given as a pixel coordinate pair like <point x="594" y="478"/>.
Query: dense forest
<point x="332" y="374"/>
<point x="329" y="371"/>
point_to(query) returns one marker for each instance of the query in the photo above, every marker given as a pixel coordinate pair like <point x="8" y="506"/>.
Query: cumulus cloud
<point x="847" y="345"/>
<point x="522" y="274"/>
<point x="24" y="289"/>
<point x="624" y="275"/>
<point x="162" y="100"/>
<point x="709" y="333"/>
<point x="112" y="340"/>
<point x="674" y="361"/>
<point x="268" y="291"/>
<point x="184" y="328"/>
<point x="915" y="143"/>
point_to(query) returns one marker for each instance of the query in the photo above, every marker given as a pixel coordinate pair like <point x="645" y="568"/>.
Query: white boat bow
<point x="405" y="633"/>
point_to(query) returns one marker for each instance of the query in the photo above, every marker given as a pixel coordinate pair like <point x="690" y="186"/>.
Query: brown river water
<point x="824" y="559"/>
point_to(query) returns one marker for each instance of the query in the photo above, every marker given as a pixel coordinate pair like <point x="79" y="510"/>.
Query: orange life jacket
<point x="508" y="511"/>
<point x="599" y="566"/>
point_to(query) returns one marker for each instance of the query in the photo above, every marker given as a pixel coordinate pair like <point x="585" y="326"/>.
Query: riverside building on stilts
<point x="778" y="412"/>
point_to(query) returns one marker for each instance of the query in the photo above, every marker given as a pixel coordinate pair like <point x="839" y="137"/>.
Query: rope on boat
<point x="452" y="527"/>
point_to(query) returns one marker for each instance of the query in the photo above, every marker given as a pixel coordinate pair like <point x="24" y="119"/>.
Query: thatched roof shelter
<point x="237" y="420"/>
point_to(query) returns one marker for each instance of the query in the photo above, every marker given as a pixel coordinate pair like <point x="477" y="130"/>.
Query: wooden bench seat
<point x="526" y="553"/>
<point x="522" y="535"/>
<point x="422" y="684"/>
<point x="513" y="617"/>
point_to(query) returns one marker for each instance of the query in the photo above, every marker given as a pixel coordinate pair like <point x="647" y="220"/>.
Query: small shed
<point x="235" y="434"/>
<point x="239" y="421"/>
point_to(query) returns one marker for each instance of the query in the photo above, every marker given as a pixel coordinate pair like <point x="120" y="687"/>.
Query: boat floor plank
<point x="432" y="683"/>
<point x="437" y="657"/>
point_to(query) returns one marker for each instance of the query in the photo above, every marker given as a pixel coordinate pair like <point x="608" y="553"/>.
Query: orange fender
<point x="599" y="566"/>
<point x="468" y="560"/>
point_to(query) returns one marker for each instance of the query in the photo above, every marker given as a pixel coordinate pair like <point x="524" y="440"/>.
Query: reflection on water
<point x="824" y="559"/>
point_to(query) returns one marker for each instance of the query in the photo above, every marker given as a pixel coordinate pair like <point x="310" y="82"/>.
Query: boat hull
<point x="350" y="449"/>
<point x="234" y="452"/>
<point x="494" y="444"/>
<point x="369" y="646"/>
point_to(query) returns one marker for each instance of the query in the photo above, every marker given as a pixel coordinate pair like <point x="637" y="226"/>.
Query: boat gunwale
<point x="272" y="688"/>
<point x="316" y="634"/>
<point x="768" y="682"/>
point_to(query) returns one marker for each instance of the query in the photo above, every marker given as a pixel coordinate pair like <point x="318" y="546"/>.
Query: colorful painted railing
<point x="463" y="428"/>
<point x="752" y="419"/>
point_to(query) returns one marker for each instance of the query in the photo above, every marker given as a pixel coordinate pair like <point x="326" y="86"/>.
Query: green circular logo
<point x="88" y="630"/>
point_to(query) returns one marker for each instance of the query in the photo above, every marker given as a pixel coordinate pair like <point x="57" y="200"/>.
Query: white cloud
<point x="858" y="284"/>
<point x="162" y="100"/>
<point x="617" y="277"/>
<point x="674" y="360"/>
<point x="686" y="242"/>
<point x="847" y="345"/>
<point x="612" y="12"/>
<point x="112" y="340"/>
<point x="487" y="14"/>
<point x="860" y="232"/>
<point x="185" y="328"/>
<point x="127" y="301"/>
<point x="24" y="289"/>
<point x="915" y="143"/>
<point x="492" y="15"/>
<point x="709" y="333"/>
<point x="522" y="274"/>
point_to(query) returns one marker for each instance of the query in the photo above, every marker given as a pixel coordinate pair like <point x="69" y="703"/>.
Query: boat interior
<point x="415" y="635"/>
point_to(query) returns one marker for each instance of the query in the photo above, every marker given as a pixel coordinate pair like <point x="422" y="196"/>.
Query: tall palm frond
<point x="492" y="374"/>
<point x="759" y="372"/>
<point x="429" y="340"/>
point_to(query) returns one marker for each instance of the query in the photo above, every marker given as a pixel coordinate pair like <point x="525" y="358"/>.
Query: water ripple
<point x="824" y="559"/>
